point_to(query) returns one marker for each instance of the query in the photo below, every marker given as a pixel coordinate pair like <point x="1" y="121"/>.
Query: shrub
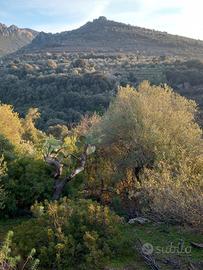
<point x="6" y="148"/>
<point x="27" y="180"/>
<point x="143" y="128"/>
<point x="10" y="124"/>
<point x="71" y="234"/>
<point x="8" y="261"/>
<point x="148" y="125"/>
<point x="175" y="196"/>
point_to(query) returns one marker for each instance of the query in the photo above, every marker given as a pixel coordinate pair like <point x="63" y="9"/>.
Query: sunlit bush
<point x="175" y="196"/>
<point x="71" y="235"/>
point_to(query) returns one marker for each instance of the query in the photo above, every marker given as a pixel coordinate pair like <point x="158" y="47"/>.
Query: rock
<point x="140" y="220"/>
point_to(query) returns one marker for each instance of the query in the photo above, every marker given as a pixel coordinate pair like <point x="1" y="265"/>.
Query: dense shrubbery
<point x="175" y="198"/>
<point x="27" y="180"/>
<point x="24" y="176"/>
<point x="190" y="72"/>
<point x="144" y="128"/>
<point x="65" y="87"/>
<point x="71" y="235"/>
<point x="8" y="261"/>
<point x="61" y="99"/>
<point x="143" y="156"/>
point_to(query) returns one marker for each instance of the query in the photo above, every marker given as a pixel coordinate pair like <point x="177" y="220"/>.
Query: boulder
<point x="139" y="220"/>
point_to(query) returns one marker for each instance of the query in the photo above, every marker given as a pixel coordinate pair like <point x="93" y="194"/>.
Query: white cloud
<point x="183" y="17"/>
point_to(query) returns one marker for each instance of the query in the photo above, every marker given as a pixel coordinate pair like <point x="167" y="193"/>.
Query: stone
<point x="139" y="220"/>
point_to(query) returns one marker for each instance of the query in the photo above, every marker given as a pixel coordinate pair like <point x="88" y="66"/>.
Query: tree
<point x="147" y="125"/>
<point x="69" y="155"/>
<point x="10" y="124"/>
<point x="52" y="64"/>
<point x="30" y="132"/>
<point x="143" y="129"/>
<point x="6" y="148"/>
<point x="57" y="155"/>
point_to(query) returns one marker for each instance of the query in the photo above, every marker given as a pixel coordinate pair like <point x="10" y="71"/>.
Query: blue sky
<point x="183" y="17"/>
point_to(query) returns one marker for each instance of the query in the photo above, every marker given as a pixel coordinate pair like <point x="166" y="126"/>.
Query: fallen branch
<point x="196" y="245"/>
<point x="148" y="258"/>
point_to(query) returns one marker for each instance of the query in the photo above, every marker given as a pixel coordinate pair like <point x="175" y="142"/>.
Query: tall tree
<point x="146" y="125"/>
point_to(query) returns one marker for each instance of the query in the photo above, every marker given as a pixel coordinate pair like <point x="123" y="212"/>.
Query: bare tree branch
<point x="59" y="183"/>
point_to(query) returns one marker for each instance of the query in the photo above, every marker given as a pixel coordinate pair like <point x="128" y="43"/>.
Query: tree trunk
<point x="59" y="185"/>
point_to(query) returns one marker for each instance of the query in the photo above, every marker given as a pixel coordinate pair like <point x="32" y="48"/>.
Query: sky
<point x="181" y="17"/>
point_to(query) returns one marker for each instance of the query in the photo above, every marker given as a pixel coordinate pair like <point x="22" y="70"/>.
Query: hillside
<point x="13" y="38"/>
<point x="67" y="86"/>
<point x="107" y="36"/>
<point x="74" y="73"/>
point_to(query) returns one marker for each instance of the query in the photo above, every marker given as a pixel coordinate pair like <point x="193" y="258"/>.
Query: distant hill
<point x="13" y="38"/>
<point x="103" y="35"/>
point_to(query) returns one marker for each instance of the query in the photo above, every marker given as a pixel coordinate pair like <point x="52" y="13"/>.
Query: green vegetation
<point x="66" y="87"/>
<point x="8" y="261"/>
<point x="69" y="235"/>
<point x="73" y="189"/>
<point x="159" y="235"/>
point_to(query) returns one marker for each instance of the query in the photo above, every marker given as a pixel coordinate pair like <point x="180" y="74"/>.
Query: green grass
<point x="159" y="235"/>
<point x="165" y="235"/>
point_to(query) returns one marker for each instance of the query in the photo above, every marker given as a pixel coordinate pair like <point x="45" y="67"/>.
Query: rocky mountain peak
<point x="13" y="38"/>
<point x="101" y="19"/>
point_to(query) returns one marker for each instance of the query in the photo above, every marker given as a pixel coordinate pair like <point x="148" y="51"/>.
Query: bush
<point x="8" y="261"/>
<point x="71" y="235"/>
<point x="175" y="197"/>
<point x="148" y="125"/>
<point x="27" y="180"/>
<point x="142" y="129"/>
<point x="6" y="148"/>
<point x="10" y="124"/>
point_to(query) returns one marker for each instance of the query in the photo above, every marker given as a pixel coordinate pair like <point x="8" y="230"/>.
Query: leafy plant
<point x="71" y="234"/>
<point x="10" y="262"/>
<point x="27" y="180"/>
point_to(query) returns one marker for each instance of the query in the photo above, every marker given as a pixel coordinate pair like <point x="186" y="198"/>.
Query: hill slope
<point x="13" y="38"/>
<point x="103" y="35"/>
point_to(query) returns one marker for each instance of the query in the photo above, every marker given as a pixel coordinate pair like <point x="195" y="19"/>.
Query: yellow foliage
<point x="70" y="144"/>
<point x="150" y="124"/>
<point x="175" y="196"/>
<point x="153" y="129"/>
<point x="10" y="124"/>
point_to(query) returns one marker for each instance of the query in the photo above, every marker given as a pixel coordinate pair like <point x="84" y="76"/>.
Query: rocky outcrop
<point x="13" y="38"/>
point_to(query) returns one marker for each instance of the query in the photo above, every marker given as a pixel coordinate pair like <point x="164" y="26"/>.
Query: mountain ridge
<point x="13" y="38"/>
<point x="103" y="35"/>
